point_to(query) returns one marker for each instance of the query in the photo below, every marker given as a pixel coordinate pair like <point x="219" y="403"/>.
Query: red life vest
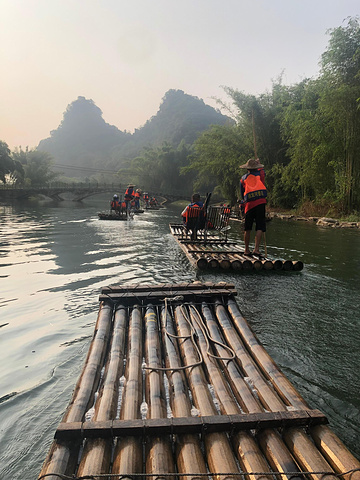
<point x="137" y="195"/>
<point x="114" y="204"/>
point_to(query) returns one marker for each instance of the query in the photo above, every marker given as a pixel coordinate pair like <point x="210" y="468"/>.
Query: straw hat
<point x="131" y="185"/>
<point x="252" y="164"/>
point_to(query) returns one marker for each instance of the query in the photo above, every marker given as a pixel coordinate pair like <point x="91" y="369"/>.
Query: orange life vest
<point x="254" y="188"/>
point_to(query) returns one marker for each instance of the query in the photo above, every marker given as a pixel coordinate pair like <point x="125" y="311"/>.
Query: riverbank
<point x="320" y="221"/>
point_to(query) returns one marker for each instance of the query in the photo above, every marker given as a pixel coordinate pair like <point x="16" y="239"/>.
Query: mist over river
<point x="54" y="259"/>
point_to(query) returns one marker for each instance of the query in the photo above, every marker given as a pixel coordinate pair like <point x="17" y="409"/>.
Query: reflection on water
<point x="55" y="259"/>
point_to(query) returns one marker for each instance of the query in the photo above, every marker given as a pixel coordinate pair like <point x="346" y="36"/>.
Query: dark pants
<point x="256" y="214"/>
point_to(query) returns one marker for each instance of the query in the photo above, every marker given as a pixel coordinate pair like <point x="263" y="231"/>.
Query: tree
<point x="339" y="104"/>
<point x="9" y="167"/>
<point x="36" y="166"/>
<point x="218" y="152"/>
<point x="158" y="169"/>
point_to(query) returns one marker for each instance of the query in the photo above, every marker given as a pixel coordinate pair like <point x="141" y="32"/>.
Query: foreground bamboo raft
<point x="179" y="385"/>
<point x="213" y="252"/>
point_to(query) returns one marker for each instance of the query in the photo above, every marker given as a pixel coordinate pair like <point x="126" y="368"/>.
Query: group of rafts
<point x="125" y="209"/>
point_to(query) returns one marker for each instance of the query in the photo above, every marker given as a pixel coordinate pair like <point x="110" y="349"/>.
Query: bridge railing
<point x="64" y="186"/>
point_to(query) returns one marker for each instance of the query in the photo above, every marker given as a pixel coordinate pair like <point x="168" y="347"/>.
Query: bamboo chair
<point x="218" y="219"/>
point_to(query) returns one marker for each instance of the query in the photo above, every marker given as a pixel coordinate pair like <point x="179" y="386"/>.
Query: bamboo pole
<point x="189" y="457"/>
<point x="62" y="457"/>
<point x="97" y="452"/>
<point x="309" y="459"/>
<point x="158" y="449"/>
<point x="128" y="450"/>
<point x="297" y="265"/>
<point x="278" y="264"/>
<point x="217" y="448"/>
<point x="335" y="452"/>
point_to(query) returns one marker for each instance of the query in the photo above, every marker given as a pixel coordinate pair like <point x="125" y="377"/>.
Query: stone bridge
<point x="78" y="191"/>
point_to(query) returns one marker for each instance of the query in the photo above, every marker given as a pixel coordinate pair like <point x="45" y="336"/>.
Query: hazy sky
<point x="125" y="55"/>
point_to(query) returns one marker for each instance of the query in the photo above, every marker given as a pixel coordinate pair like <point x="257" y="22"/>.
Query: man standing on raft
<point x="253" y="192"/>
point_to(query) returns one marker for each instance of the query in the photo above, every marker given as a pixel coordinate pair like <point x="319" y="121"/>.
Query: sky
<point x="125" y="55"/>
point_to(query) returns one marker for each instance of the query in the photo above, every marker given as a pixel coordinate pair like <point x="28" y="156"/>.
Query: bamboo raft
<point x="179" y="386"/>
<point x="213" y="252"/>
<point x="112" y="216"/>
<point x="117" y="216"/>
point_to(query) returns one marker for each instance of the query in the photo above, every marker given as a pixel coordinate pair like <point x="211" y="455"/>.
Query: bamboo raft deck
<point x="214" y="252"/>
<point x="180" y="386"/>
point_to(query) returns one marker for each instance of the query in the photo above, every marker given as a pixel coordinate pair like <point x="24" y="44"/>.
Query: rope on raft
<point x="177" y="474"/>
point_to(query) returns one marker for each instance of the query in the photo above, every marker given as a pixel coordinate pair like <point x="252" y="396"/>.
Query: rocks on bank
<point x="320" y="221"/>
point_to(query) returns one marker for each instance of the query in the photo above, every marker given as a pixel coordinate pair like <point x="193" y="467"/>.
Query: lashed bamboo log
<point x="217" y="448"/>
<point x="287" y="265"/>
<point x="236" y="264"/>
<point x="248" y="452"/>
<point x="297" y="265"/>
<point x="309" y="459"/>
<point x="189" y="457"/>
<point x="62" y="457"/>
<point x="128" y="450"/>
<point x="97" y="452"/>
<point x="278" y="264"/>
<point x="158" y="449"/>
<point x="335" y="452"/>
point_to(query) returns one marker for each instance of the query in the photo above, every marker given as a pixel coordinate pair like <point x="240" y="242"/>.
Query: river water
<point x="54" y="259"/>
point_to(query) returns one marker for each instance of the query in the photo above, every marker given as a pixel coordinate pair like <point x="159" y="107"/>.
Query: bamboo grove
<point x="307" y="134"/>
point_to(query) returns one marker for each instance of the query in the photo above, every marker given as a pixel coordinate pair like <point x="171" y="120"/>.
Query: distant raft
<point x="199" y="397"/>
<point x="213" y="251"/>
<point x="112" y="216"/>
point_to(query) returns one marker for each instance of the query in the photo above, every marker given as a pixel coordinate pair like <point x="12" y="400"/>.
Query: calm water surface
<point x="54" y="259"/>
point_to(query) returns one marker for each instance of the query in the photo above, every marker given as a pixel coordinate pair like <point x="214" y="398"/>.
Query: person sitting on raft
<point x="254" y="193"/>
<point x="146" y="199"/>
<point x="115" y="204"/>
<point x="193" y="215"/>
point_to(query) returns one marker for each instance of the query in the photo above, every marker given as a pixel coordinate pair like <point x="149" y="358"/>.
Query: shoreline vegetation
<point x="318" y="220"/>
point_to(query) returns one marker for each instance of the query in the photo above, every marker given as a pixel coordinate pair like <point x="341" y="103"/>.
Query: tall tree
<point x="339" y="104"/>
